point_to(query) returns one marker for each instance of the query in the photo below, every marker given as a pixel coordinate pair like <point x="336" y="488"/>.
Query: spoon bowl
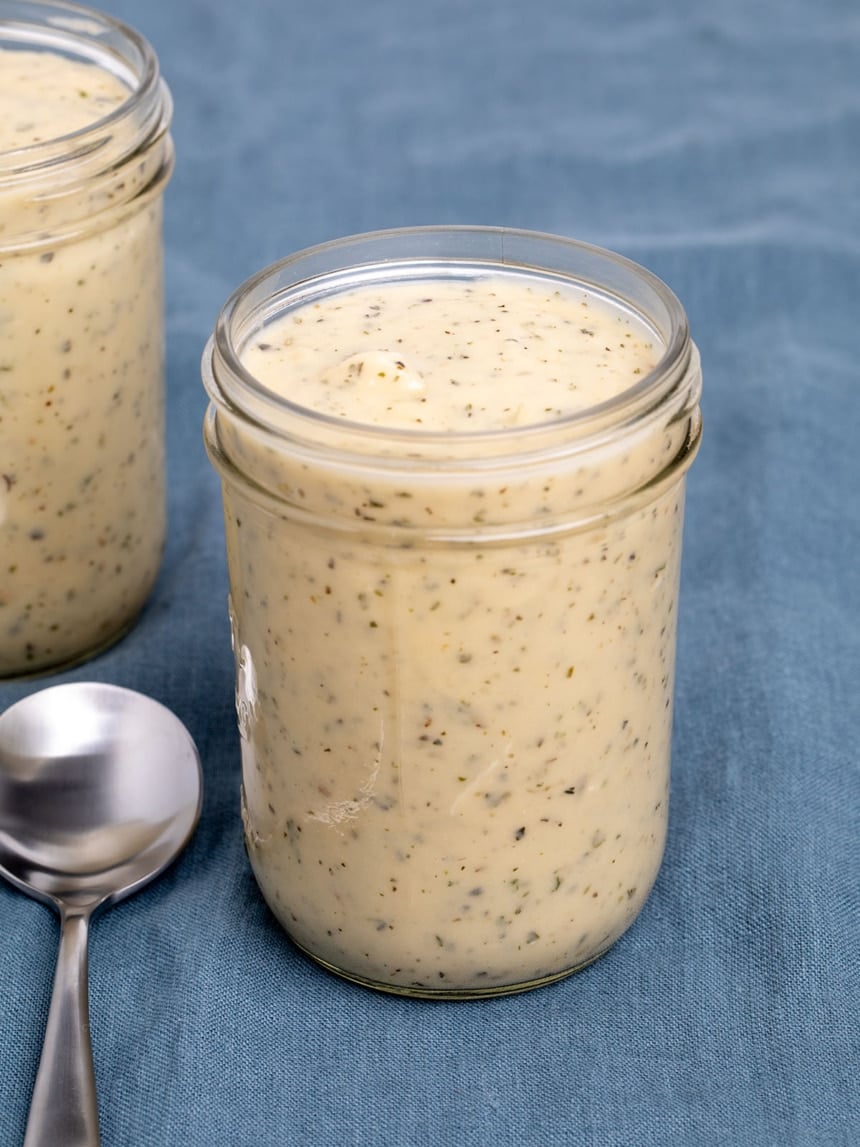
<point x="100" y="789"/>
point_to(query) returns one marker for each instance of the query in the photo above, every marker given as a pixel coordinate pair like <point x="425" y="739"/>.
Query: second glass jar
<point x="85" y="154"/>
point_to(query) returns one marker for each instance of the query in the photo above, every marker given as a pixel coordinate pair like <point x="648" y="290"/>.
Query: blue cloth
<point x="718" y="144"/>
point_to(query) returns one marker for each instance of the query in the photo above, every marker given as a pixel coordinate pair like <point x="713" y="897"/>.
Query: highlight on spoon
<point x="100" y="788"/>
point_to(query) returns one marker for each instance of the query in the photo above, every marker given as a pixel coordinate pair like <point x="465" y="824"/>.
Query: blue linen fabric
<point x="719" y="144"/>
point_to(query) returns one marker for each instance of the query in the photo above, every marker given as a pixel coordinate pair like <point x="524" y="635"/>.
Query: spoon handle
<point x="63" y="1109"/>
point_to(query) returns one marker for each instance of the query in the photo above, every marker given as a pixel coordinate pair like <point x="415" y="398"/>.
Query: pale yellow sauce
<point x="449" y="355"/>
<point x="81" y="397"/>
<point x="44" y="96"/>
<point x="455" y="757"/>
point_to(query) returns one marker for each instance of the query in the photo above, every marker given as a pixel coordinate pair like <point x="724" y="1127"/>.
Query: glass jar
<point x="85" y="153"/>
<point x="454" y="648"/>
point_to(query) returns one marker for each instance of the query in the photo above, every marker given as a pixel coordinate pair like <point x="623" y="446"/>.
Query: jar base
<point x="447" y="994"/>
<point x="73" y="660"/>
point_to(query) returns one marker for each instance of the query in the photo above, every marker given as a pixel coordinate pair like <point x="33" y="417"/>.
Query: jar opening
<point x="577" y="466"/>
<point x="435" y="253"/>
<point x="92" y="161"/>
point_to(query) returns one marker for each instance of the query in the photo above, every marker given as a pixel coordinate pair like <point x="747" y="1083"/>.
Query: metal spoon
<point x="100" y="788"/>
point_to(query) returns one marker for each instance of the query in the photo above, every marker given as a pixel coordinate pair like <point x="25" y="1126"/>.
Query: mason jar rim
<point x="103" y="41"/>
<point x="233" y="387"/>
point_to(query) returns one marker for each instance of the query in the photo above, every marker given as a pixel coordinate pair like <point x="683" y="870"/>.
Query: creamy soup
<point x="455" y="755"/>
<point x="81" y="397"/>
